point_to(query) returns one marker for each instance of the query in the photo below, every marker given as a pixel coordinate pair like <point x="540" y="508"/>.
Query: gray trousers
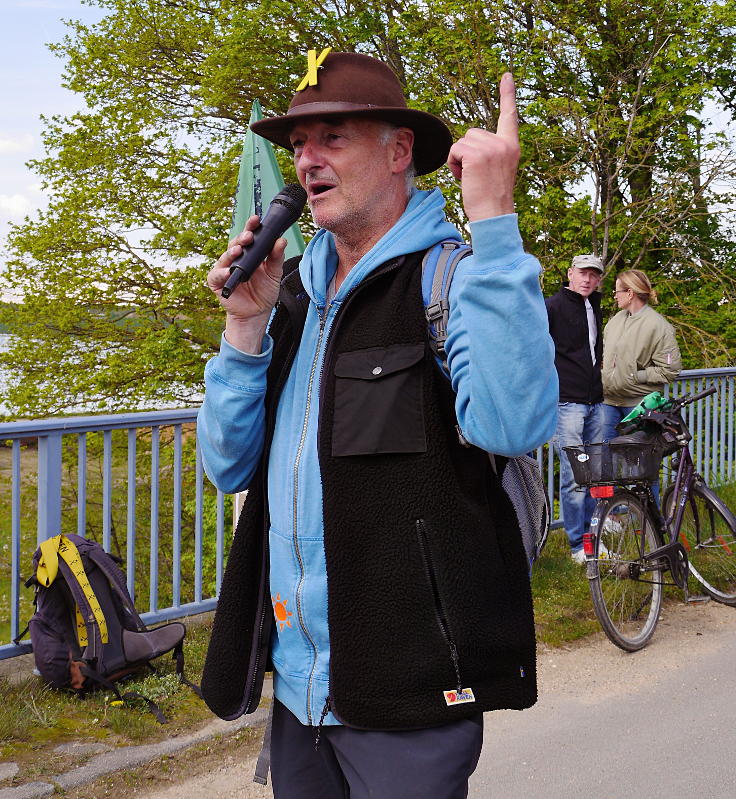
<point x="433" y="763"/>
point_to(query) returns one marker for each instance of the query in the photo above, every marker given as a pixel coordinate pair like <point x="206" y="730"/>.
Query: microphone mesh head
<point x="293" y="194"/>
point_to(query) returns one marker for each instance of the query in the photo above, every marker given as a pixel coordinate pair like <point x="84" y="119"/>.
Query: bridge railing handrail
<point x="31" y="428"/>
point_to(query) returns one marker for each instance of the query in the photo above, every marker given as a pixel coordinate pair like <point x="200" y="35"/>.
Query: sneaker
<point x="579" y="556"/>
<point x="612" y="526"/>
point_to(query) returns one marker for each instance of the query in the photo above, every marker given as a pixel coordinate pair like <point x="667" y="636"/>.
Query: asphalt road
<point x="657" y="723"/>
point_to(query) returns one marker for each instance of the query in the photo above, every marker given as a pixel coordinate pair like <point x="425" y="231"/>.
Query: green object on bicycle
<point x="655" y="401"/>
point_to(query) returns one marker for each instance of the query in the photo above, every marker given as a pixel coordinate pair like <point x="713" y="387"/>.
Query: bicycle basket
<point x="614" y="463"/>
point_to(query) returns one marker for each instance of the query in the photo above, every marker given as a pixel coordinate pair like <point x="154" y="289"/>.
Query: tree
<point x="619" y="157"/>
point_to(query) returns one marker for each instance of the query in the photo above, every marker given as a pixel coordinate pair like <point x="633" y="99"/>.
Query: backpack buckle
<point x="437" y="310"/>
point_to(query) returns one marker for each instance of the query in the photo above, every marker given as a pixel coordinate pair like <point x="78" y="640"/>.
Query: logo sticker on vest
<point x="459" y="697"/>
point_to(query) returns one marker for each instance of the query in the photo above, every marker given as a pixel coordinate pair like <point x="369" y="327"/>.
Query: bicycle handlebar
<point x="690" y="398"/>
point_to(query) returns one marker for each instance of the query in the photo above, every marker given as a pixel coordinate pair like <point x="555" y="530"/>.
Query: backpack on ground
<point x="521" y="476"/>
<point x="86" y="632"/>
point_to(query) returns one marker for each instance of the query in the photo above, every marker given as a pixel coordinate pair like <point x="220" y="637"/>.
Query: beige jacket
<point x="640" y="355"/>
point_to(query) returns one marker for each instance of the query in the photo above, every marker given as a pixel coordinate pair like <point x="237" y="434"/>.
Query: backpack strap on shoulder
<point x="520" y="477"/>
<point x="438" y="267"/>
<point x="290" y="264"/>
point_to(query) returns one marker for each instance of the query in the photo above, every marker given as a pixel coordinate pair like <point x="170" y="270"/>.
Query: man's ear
<point x="403" y="149"/>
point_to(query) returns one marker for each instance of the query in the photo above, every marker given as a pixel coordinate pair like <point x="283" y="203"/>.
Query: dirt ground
<point x="223" y="768"/>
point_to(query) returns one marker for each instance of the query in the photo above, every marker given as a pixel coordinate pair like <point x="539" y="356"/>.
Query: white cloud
<point x="17" y="144"/>
<point x="15" y="206"/>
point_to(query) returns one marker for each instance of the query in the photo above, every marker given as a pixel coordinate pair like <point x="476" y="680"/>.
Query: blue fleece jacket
<point x="501" y="361"/>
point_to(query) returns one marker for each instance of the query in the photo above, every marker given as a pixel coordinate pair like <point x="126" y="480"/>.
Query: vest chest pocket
<point x="378" y="401"/>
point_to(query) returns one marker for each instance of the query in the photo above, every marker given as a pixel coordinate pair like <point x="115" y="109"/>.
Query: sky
<point x="30" y="85"/>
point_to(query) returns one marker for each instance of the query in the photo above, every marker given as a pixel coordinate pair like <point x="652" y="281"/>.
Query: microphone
<point x="285" y="208"/>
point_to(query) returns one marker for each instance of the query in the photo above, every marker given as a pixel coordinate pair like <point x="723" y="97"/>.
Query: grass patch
<point x="563" y="610"/>
<point x="34" y="717"/>
<point x="727" y="493"/>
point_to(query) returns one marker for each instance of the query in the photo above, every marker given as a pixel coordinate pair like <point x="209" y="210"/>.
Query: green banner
<point x="259" y="181"/>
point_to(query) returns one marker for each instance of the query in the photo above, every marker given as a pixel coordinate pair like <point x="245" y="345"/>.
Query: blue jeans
<point x="612" y="415"/>
<point x="577" y="423"/>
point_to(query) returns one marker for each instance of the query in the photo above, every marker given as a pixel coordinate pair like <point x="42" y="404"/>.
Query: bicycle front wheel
<point x="708" y="533"/>
<point x="625" y="588"/>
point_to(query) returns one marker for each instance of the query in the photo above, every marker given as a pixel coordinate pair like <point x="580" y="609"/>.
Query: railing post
<point x="153" y="573"/>
<point x="49" y="486"/>
<point x="131" y="531"/>
<point x="15" y="580"/>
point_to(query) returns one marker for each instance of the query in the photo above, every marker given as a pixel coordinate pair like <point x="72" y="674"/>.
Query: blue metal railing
<point x="49" y="437"/>
<point x="168" y="438"/>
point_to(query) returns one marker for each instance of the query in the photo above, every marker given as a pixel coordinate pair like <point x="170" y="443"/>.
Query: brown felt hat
<point x="352" y="84"/>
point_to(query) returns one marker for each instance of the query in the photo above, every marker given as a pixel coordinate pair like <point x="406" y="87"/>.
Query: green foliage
<point x="619" y="157"/>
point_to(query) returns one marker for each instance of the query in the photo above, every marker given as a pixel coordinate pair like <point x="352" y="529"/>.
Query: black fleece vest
<point x="428" y="587"/>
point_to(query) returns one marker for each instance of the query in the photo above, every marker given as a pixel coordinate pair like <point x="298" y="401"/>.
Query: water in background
<point x="4" y="344"/>
<point x="5" y="339"/>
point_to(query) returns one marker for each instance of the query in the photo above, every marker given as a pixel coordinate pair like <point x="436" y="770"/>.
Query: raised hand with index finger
<point x="485" y="163"/>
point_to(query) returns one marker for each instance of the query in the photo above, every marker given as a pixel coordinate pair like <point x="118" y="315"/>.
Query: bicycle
<point x="632" y="545"/>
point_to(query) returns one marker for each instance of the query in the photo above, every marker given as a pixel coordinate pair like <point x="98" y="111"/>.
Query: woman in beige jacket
<point x="640" y="353"/>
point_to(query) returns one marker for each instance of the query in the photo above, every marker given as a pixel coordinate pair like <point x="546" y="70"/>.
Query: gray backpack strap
<point x="521" y="477"/>
<point x="116" y="579"/>
<point x="523" y="483"/>
<point x="437" y="310"/>
<point x="264" y="758"/>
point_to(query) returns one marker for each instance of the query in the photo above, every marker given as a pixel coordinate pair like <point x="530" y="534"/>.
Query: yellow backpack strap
<point x="47" y="571"/>
<point x="71" y="557"/>
<point x="48" y="563"/>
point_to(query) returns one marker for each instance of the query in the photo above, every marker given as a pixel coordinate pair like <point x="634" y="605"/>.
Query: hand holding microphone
<point x="248" y="310"/>
<point x="285" y="208"/>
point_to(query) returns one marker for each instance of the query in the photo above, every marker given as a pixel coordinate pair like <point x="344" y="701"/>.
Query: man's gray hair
<point x="385" y="131"/>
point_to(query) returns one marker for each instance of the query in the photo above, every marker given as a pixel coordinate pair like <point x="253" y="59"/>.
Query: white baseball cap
<point x="588" y="262"/>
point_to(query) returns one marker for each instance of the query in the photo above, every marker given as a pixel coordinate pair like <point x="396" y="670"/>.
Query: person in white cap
<point x="575" y="324"/>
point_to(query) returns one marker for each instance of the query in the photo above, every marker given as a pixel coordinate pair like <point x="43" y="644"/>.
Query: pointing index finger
<point x="508" y="120"/>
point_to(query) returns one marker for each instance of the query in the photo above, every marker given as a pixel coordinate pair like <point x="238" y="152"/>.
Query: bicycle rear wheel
<point x="708" y="533"/>
<point x="626" y="591"/>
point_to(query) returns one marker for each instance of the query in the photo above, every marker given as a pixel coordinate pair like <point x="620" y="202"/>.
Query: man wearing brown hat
<point x="575" y="324"/>
<point x="377" y="567"/>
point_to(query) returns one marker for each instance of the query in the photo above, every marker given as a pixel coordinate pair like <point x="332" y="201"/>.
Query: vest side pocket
<point x="378" y="401"/>
<point x="439" y="605"/>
